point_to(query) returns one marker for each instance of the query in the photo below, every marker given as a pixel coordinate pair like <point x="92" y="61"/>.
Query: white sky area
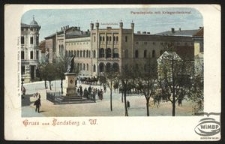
<point x="51" y="20"/>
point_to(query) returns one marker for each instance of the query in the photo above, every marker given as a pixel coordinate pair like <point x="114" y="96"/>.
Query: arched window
<point x="94" y="54"/>
<point x="115" y="67"/>
<point x="136" y="54"/>
<point x="66" y="53"/>
<point x="94" y="68"/>
<point x="145" y="53"/>
<point x="83" y="66"/>
<point x="101" y="53"/>
<point x="101" y="67"/>
<point x="126" y="53"/>
<point x="153" y="53"/>
<point x="87" y="67"/>
<point x="108" y="53"/>
<point x="84" y="53"/>
<point x="115" y="53"/>
<point x="108" y="67"/>
<point x="87" y="53"/>
<point x="80" y="53"/>
<point x="75" y="53"/>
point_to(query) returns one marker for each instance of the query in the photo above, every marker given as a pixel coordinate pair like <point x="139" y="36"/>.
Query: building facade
<point x="29" y="50"/>
<point x="102" y="48"/>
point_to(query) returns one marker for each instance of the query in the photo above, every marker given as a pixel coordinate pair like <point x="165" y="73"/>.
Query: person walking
<point x="37" y="103"/>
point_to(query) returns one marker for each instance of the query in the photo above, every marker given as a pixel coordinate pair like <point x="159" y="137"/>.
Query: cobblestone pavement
<point x="101" y="107"/>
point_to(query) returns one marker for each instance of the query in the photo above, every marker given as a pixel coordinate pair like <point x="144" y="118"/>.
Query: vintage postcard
<point x="105" y="72"/>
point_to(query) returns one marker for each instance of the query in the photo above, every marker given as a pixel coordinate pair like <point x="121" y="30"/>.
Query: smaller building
<point x="29" y="50"/>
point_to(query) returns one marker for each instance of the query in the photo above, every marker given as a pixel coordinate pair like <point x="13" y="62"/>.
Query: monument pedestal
<point x="69" y="85"/>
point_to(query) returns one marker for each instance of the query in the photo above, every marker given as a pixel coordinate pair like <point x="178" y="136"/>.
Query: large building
<point x="29" y="50"/>
<point x="101" y="48"/>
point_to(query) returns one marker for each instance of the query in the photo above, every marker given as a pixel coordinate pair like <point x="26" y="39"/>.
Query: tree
<point x="126" y="76"/>
<point x="43" y="72"/>
<point x="174" y="77"/>
<point x="51" y="73"/>
<point x="146" y="77"/>
<point x="111" y="78"/>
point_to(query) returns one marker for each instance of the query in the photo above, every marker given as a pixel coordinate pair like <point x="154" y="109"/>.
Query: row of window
<point x="31" y="55"/>
<point x="107" y="53"/>
<point x="153" y="53"/>
<point x="31" y="29"/>
<point x="77" y="43"/>
<point x="84" y="53"/>
<point x="102" y="67"/>
<point x="108" y="38"/>
<point x="163" y="43"/>
<point x="31" y="40"/>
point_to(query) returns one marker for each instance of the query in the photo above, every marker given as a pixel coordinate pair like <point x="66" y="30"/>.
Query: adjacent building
<point x="29" y="50"/>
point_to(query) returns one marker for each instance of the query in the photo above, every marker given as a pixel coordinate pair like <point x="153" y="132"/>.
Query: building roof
<point x="199" y="33"/>
<point x="169" y="55"/>
<point x="179" y="32"/>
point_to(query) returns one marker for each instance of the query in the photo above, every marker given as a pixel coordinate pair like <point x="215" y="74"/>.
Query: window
<point x="153" y="53"/>
<point x="83" y="66"/>
<point x="22" y="39"/>
<point x="83" y="53"/>
<point x="145" y="53"/>
<point x="23" y="70"/>
<point x="37" y="55"/>
<point x="87" y="67"/>
<point x="94" y="38"/>
<point x="31" y="55"/>
<point x="136" y="54"/>
<point x="108" y="53"/>
<point x="37" y="40"/>
<point x="116" y="38"/>
<point x="137" y="43"/>
<point x="22" y="54"/>
<point x="77" y="53"/>
<point x="125" y="38"/>
<point x="94" y="54"/>
<point x="94" y="68"/>
<point x="101" y="67"/>
<point x="115" y="53"/>
<point x="31" y="40"/>
<point x="101" y="53"/>
<point x="80" y="53"/>
<point x="87" y="54"/>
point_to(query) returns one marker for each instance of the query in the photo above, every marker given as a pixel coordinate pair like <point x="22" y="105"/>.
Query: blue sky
<point x="51" y="20"/>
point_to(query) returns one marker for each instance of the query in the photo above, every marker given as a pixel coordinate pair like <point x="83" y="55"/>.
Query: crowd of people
<point x="90" y="92"/>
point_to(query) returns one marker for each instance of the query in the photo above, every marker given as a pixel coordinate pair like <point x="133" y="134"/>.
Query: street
<point x="100" y="108"/>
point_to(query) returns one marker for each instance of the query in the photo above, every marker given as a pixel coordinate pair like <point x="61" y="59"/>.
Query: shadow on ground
<point x="25" y="101"/>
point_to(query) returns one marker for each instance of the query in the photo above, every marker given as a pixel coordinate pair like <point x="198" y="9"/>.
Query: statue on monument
<point x="70" y="66"/>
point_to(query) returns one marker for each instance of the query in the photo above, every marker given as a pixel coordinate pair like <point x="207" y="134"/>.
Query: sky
<point x="153" y="20"/>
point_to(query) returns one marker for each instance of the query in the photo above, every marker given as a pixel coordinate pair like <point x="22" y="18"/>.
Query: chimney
<point x="92" y="26"/>
<point x="144" y="32"/>
<point x="121" y="24"/>
<point x="172" y="30"/>
<point x="148" y="33"/>
<point x="180" y="29"/>
<point x="200" y="27"/>
<point x="138" y="32"/>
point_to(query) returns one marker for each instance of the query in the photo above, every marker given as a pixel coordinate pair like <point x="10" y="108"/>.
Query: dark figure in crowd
<point x="37" y="103"/>
<point x="85" y="93"/>
<point x="104" y="88"/>
<point x="81" y="91"/>
<point x="101" y="94"/>
<point x="23" y="91"/>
